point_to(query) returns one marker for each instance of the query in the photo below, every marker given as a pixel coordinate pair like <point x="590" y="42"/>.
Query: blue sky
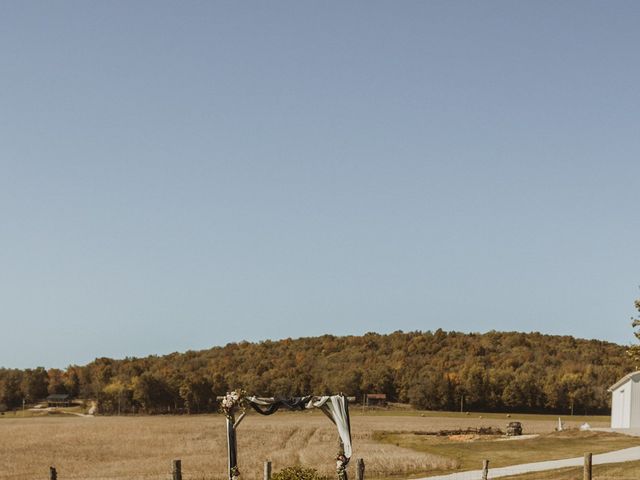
<point x="179" y="175"/>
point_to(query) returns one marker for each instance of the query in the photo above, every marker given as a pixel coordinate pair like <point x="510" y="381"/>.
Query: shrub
<point x="298" y="473"/>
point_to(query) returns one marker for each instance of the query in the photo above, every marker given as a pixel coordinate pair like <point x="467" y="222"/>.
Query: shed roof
<point x="624" y="380"/>
<point x="58" y="397"/>
<point x="378" y="396"/>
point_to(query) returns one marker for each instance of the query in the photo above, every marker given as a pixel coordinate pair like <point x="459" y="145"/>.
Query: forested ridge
<point x="505" y="371"/>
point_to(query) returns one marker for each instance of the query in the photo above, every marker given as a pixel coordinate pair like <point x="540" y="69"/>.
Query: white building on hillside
<point x="625" y="402"/>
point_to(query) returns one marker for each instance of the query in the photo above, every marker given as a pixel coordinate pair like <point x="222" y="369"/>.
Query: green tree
<point x="573" y="388"/>
<point x="428" y="390"/>
<point x="152" y="393"/>
<point x="476" y="386"/>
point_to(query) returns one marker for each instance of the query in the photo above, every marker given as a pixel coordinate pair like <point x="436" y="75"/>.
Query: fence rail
<point x="176" y="470"/>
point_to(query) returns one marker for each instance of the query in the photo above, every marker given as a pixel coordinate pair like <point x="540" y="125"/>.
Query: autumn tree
<point x="435" y="370"/>
<point x="34" y="384"/>
<point x="10" y="395"/>
<point x="634" y="350"/>
<point x="56" y="381"/>
<point x="117" y="396"/>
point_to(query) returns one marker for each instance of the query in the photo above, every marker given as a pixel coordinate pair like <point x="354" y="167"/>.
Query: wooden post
<point x="232" y="449"/>
<point x="267" y="470"/>
<point x="587" y="466"/>
<point x="53" y="475"/>
<point x="176" y="472"/>
<point x="485" y="469"/>
<point x="341" y="462"/>
<point x="360" y="469"/>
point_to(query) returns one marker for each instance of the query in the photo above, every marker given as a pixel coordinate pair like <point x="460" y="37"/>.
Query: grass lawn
<point x="553" y="446"/>
<point x="28" y="413"/>
<point x="355" y="410"/>
<point x="617" y="471"/>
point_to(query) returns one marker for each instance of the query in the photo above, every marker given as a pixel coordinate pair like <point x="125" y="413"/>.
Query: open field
<point x="136" y="448"/>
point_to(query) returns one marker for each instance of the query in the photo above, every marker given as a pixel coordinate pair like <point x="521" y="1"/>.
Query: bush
<point x="298" y="473"/>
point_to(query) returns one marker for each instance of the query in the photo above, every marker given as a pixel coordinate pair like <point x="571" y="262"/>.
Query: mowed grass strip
<point x="32" y="413"/>
<point x="552" y="446"/>
<point x="356" y="410"/>
<point x="614" y="471"/>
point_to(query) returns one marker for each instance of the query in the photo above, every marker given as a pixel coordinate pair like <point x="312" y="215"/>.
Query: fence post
<point x="587" y="466"/>
<point x="267" y="470"/>
<point x="177" y="470"/>
<point x="53" y="475"/>
<point x="360" y="469"/>
<point x="485" y="469"/>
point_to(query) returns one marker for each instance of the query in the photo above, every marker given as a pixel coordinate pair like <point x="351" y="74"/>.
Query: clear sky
<point x="179" y="175"/>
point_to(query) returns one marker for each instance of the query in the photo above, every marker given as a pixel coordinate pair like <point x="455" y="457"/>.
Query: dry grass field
<point x="137" y="448"/>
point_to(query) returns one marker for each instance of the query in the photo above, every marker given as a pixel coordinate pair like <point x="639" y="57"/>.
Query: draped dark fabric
<point x="268" y="410"/>
<point x="271" y="406"/>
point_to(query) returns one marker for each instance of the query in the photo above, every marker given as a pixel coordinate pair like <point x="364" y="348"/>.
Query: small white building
<point x="625" y="402"/>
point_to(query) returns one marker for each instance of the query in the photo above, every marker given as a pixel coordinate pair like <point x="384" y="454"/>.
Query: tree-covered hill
<point x="432" y="370"/>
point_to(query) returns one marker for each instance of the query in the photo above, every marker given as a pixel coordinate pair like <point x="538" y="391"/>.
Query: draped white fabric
<point x="335" y="407"/>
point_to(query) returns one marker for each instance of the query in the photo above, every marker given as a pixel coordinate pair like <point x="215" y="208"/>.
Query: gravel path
<point x="625" y="455"/>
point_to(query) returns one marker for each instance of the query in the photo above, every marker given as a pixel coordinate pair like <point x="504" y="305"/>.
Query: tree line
<point x="495" y="371"/>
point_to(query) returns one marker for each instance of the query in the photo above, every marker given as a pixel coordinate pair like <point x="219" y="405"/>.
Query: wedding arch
<point x="234" y="405"/>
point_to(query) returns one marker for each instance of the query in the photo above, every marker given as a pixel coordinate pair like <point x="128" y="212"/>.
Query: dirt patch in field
<point x="517" y="437"/>
<point x="469" y="437"/>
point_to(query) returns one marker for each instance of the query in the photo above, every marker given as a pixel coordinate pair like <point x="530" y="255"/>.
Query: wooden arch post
<point x="338" y="413"/>
<point x="232" y="446"/>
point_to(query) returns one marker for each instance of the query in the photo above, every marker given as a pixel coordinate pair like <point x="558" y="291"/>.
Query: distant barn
<point x="625" y="402"/>
<point x="59" y="400"/>
<point x="375" y="400"/>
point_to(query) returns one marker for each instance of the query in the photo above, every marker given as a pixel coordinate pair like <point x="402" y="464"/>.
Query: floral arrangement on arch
<point x="232" y="402"/>
<point x="341" y="466"/>
<point x="235" y="473"/>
